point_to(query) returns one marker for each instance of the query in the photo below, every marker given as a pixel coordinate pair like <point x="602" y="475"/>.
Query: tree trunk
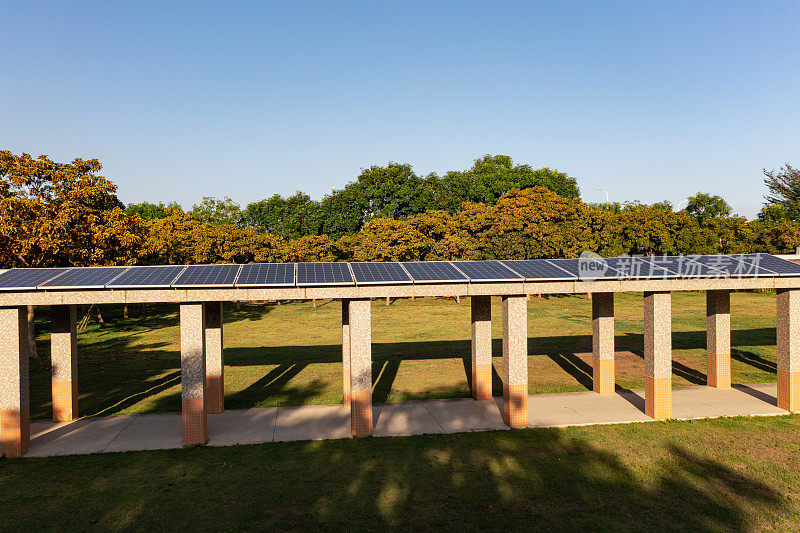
<point x="238" y="305"/>
<point x="32" y="351"/>
<point x="100" y="317"/>
<point x="125" y="311"/>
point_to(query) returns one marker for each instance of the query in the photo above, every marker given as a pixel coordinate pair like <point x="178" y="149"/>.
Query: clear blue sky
<point x="651" y="100"/>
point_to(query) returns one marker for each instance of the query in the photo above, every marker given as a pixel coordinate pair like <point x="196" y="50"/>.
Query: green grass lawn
<point x="723" y="474"/>
<point x="715" y="475"/>
<point x="290" y="354"/>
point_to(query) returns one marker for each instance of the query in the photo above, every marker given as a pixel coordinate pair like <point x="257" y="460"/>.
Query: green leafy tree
<point x="703" y="206"/>
<point x="215" y="211"/>
<point x="293" y="217"/>
<point x="773" y="214"/>
<point x="150" y="211"/>
<point x="784" y="188"/>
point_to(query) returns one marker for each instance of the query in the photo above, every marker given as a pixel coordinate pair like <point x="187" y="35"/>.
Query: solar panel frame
<point x="34" y="277"/>
<point x="415" y="271"/>
<point x="733" y="267"/>
<point x="123" y="282"/>
<point x="499" y="272"/>
<point x="197" y="276"/>
<point x="276" y="270"/>
<point x="772" y="263"/>
<point x="572" y="267"/>
<point x="549" y="271"/>
<point x="308" y="274"/>
<point x="84" y="278"/>
<point x="367" y="273"/>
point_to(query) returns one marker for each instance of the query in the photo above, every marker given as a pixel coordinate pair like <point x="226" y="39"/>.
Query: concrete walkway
<point x="273" y="424"/>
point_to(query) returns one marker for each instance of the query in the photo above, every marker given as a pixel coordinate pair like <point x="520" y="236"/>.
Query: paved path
<point x="273" y="424"/>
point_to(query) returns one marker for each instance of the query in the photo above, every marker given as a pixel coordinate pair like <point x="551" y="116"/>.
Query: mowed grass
<point x="290" y="354"/>
<point x="712" y="475"/>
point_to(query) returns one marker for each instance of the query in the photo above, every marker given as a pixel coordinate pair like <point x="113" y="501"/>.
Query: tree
<point x="148" y="211"/>
<point x="62" y="214"/>
<point x="784" y="188"/>
<point x="215" y="211"/>
<point x="773" y="214"/>
<point x="293" y="217"/>
<point x="703" y="206"/>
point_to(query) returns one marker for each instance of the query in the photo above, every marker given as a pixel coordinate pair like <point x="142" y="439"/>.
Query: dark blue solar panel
<point x="379" y="273"/>
<point x="323" y="274"/>
<point x="587" y="269"/>
<point x="84" y="278"/>
<point x="486" y="271"/>
<point x="151" y="277"/>
<point x="686" y="267"/>
<point x="27" y="278"/>
<point x="782" y="267"/>
<point x="731" y="266"/>
<point x="538" y="269"/>
<point x="266" y="275"/>
<point x="207" y="276"/>
<point x="644" y="267"/>
<point x="434" y="271"/>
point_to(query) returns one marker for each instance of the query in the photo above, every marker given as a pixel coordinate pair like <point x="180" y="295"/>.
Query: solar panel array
<point x="418" y="272"/>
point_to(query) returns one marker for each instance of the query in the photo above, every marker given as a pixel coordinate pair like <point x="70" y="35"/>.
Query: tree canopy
<point x="784" y="189"/>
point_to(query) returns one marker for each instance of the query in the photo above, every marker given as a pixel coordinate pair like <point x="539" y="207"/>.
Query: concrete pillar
<point x="215" y="359"/>
<point x="603" y="342"/>
<point x="658" y="355"/>
<point x="15" y="432"/>
<point x="346" y="353"/>
<point x="515" y="361"/>
<point x="360" y="367"/>
<point x="64" y="362"/>
<point x="193" y="373"/>
<point x="481" y="347"/>
<point x="718" y="338"/>
<point x="788" y="322"/>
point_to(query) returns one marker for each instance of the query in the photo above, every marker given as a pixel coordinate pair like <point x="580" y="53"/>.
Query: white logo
<point x="591" y="266"/>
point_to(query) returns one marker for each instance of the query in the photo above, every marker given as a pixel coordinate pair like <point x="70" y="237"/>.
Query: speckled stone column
<point x="481" y="347"/>
<point x="193" y="373"/>
<point x="658" y="355"/>
<point x="603" y="342"/>
<point x="15" y="427"/>
<point x="346" y="353"/>
<point x="515" y="361"/>
<point x="215" y="359"/>
<point x="360" y="367"/>
<point x="788" y="322"/>
<point x="718" y="338"/>
<point x="64" y="362"/>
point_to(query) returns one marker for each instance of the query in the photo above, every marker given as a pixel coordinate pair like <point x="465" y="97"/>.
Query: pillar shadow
<point x="385" y="373"/>
<point x="754" y="360"/>
<point x="575" y="367"/>
<point x="759" y="395"/>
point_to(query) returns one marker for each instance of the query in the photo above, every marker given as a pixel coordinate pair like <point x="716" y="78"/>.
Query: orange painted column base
<point x="346" y="387"/>
<point x="215" y="394"/>
<point x="482" y="381"/>
<point x="15" y="432"/>
<point x="602" y="375"/>
<point x="65" y="400"/>
<point x="789" y="390"/>
<point x="361" y="413"/>
<point x="194" y="421"/>
<point x="515" y="405"/>
<point x="719" y="370"/>
<point x="658" y="397"/>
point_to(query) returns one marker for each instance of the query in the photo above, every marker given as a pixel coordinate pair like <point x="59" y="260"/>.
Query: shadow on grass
<point x="116" y="372"/>
<point x="546" y="479"/>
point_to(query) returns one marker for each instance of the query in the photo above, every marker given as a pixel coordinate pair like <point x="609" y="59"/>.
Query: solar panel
<point x="538" y="270"/>
<point x="685" y="267"/>
<point x="644" y="267"/>
<point x="587" y="269"/>
<point x="731" y="266"/>
<point x="84" y="278"/>
<point x="27" y="278"/>
<point x="379" y="273"/>
<point x="434" y="272"/>
<point x="486" y="271"/>
<point x="323" y="274"/>
<point x="266" y="275"/>
<point x="207" y="276"/>
<point x="151" y="277"/>
<point x="782" y="267"/>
